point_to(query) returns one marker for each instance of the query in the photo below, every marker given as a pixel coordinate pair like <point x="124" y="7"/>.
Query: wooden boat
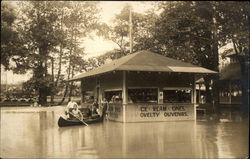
<point x="72" y="122"/>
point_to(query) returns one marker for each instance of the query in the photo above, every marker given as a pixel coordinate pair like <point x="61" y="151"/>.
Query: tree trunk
<point x="72" y="71"/>
<point x="66" y="90"/>
<point x="42" y="96"/>
<point x="60" y="67"/>
<point x="60" y="53"/>
<point x="215" y="53"/>
<point x="71" y="83"/>
<point x="69" y="68"/>
<point x="42" y="99"/>
<point x="52" y="81"/>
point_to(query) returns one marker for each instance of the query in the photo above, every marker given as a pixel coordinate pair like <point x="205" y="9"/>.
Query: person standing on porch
<point x="103" y="108"/>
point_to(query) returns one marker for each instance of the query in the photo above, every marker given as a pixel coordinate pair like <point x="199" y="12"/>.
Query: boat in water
<point x="72" y="122"/>
<point x="90" y="120"/>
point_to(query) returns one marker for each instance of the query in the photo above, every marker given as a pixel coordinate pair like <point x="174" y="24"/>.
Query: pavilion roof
<point x="145" y="61"/>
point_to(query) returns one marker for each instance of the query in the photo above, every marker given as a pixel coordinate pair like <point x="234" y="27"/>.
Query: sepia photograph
<point x="124" y="79"/>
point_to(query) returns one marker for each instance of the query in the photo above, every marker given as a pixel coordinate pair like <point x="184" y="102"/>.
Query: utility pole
<point x="130" y="30"/>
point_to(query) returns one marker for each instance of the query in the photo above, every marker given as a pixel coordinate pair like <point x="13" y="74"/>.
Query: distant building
<point x="230" y="81"/>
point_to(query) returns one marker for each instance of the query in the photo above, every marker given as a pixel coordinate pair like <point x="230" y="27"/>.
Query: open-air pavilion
<point x="144" y="86"/>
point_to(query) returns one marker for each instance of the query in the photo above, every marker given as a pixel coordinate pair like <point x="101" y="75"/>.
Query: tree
<point x="143" y="31"/>
<point x="50" y="33"/>
<point x="94" y="62"/>
<point x="11" y="40"/>
<point x="119" y="31"/>
<point x="38" y="26"/>
<point x="8" y="34"/>
<point x="194" y="31"/>
<point x="79" y="20"/>
<point x="185" y="31"/>
<point x="235" y="29"/>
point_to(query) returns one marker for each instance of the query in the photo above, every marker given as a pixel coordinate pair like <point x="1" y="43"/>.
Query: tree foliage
<point x="11" y="40"/>
<point x="47" y="34"/>
<point x="118" y="32"/>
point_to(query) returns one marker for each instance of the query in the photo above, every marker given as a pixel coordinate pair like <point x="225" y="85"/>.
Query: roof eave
<point x="82" y="76"/>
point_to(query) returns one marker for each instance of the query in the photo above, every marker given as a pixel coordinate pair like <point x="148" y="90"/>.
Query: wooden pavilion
<point x="144" y="86"/>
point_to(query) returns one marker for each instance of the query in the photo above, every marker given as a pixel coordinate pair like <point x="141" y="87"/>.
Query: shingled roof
<point x="145" y="61"/>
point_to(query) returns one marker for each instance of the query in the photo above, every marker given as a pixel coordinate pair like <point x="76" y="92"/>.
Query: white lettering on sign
<point x="166" y="111"/>
<point x="152" y="114"/>
<point x="166" y="114"/>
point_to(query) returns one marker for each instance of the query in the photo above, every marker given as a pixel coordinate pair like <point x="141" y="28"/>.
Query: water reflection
<point x="36" y="135"/>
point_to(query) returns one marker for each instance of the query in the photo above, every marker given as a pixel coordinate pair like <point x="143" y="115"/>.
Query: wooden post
<point x="230" y="92"/>
<point x="160" y="95"/>
<point x="194" y="96"/>
<point x="100" y="91"/>
<point x="199" y="96"/>
<point x="82" y="93"/>
<point x="97" y="89"/>
<point x="124" y="95"/>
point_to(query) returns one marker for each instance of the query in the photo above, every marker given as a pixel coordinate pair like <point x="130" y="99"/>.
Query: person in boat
<point x="76" y="113"/>
<point x="69" y="108"/>
<point x="94" y="107"/>
<point x="87" y="112"/>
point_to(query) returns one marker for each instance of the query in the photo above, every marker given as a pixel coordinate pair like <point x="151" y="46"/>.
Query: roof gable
<point x="145" y="61"/>
<point x="154" y="59"/>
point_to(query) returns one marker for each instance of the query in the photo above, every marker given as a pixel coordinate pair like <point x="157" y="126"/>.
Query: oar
<point x="79" y="119"/>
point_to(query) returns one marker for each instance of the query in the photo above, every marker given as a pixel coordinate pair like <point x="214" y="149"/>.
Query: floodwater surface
<point x="34" y="133"/>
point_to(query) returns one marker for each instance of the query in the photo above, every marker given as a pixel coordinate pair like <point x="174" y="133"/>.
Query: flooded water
<point x="34" y="133"/>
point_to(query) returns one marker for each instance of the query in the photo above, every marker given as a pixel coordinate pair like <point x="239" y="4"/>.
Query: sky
<point x="98" y="45"/>
<point x="95" y="46"/>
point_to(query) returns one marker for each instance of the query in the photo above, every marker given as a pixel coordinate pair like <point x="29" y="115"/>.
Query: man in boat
<point x="69" y="108"/>
<point x="87" y="112"/>
<point x="94" y="107"/>
<point x="76" y="113"/>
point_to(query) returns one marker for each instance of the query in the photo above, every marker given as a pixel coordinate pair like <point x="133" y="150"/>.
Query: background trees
<point x="118" y="31"/>
<point x="194" y="32"/>
<point x="50" y="34"/>
<point x="79" y="20"/>
<point x="47" y="38"/>
<point x="11" y="40"/>
<point x="8" y="35"/>
<point x="186" y="31"/>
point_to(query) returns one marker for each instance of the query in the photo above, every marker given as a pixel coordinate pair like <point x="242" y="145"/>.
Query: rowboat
<point x="72" y="122"/>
